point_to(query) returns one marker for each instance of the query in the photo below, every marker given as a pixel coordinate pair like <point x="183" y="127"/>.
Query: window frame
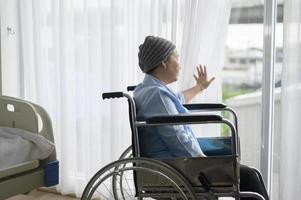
<point x="268" y="82"/>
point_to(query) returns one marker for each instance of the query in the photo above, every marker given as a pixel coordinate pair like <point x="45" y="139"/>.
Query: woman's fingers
<point x="202" y="73"/>
<point x="201" y="77"/>
<point x="212" y="79"/>
<point x="195" y="77"/>
<point x="201" y="70"/>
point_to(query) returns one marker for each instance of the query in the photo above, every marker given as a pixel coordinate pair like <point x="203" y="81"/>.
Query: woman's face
<point x="173" y="66"/>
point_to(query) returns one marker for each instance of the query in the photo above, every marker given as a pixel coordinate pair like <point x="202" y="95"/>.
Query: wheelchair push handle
<point x="131" y="88"/>
<point x="108" y="95"/>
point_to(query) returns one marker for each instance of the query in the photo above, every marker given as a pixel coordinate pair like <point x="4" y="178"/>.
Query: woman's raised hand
<point x="201" y="78"/>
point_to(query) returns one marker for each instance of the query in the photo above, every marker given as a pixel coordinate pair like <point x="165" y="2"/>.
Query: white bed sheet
<point x="18" y="146"/>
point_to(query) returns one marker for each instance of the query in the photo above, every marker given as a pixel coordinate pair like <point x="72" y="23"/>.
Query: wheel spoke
<point x="102" y="195"/>
<point x="116" y="181"/>
<point x="128" y="185"/>
<point x="107" y="188"/>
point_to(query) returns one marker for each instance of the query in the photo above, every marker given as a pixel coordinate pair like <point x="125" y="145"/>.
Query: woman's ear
<point x="164" y="64"/>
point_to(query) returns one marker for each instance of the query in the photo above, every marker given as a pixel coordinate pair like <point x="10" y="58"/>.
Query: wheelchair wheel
<point x="122" y="172"/>
<point x="117" y="179"/>
<point x="127" y="153"/>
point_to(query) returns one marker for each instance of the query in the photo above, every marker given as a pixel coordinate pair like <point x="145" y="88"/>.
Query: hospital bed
<point x="24" y="177"/>
<point x="136" y="177"/>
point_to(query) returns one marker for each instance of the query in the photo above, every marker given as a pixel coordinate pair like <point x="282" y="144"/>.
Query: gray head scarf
<point x="153" y="51"/>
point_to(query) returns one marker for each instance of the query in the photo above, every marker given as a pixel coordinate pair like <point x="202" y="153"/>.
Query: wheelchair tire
<point x="121" y="172"/>
<point x="127" y="153"/>
<point x="117" y="179"/>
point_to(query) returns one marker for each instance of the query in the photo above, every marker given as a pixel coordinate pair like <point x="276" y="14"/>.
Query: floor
<point x="46" y="195"/>
<point x="41" y="195"/>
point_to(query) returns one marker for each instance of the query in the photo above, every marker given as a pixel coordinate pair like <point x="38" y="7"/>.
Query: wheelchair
<point x="133" y="176"/>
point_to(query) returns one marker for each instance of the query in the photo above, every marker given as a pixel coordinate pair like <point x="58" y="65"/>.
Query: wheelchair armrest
<point x="182" y="118"/>
<point x="205" y="106"/>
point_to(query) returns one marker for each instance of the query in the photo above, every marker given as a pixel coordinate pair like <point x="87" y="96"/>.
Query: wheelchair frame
<point x="172" y="170"/>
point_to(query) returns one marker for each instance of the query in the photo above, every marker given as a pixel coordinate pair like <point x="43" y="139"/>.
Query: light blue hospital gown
<point x="152" y="97"/>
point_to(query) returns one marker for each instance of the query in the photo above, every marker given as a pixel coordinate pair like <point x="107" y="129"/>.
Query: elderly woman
<point x="159" y="60"/>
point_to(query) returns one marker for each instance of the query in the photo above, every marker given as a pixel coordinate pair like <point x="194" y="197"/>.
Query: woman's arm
<point x="202" y="83"/>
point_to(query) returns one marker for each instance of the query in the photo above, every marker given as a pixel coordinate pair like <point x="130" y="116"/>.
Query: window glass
<point x="242" y="75"/>
<point x="242" y="81"/>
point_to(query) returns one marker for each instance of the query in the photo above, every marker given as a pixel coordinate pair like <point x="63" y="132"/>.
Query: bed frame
<point x="24" y="177"/>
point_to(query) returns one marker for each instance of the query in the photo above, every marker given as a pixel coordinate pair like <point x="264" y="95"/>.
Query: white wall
<point x="10" y="56"/>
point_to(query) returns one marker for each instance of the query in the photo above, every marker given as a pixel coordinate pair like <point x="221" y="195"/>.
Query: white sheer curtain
<point x="73" y="50"/>
<point x="205" y="25"/>
<point x="290" y="158"/>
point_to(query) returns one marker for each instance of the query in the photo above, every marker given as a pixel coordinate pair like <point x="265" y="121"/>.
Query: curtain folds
<point x="73" y="50"/>
<point x="290" y="157"/>
<point x="205" y="25"/>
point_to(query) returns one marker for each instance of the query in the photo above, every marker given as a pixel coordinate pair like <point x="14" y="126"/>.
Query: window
<point x="244" y="78"/>
<point x="242" y="81"/>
